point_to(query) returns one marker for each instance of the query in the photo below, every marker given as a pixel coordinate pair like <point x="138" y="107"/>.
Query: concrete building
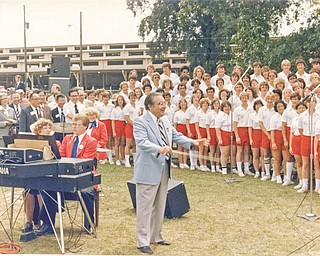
<point x="104" y="65"/>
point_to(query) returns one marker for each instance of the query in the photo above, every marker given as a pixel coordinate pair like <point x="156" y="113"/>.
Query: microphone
<point x="307" y="97"/>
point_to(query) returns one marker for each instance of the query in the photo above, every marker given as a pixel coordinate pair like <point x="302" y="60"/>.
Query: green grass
<point x="250" y="217"/>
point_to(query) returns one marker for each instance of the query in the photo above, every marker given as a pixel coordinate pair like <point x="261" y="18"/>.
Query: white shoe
<point x="186" y="166"/>
<point x="248" y="173"/>
<point x="197" y="167"/>
<point x="303" y="190"/>
<point x="257" y="175"/>
<point x="173" y="165"/>
<point x="123" y="162"/>
<point x="192" y="168"/>
<point x="103" y="161"/>
<point x="118" y="162"/>
<point x="234" y="171"/>
<point x="241" y="174"/>
<point x="127" y="165"/>
<point x="273" y="178"/>
<point x="279" y="180"/>
<point x="224" y="172"/>
<point x="202" y="168"/>
<point x="287" y="183"/>
<point x="317" y="190"/>
<point x="207" y="169"/>
<point x="111" y="162"/>
<point x="265" y="177"/>
<point x="181" y="166"/>
<point x="218" y="169"/>
<point x="213" y="169"/>
<point x="298" y="186"/>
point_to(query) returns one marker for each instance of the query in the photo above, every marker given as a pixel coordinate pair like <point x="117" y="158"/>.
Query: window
<point x="47" y="49"/>
<point x="91" y="63"/>
<point x="98" y="54"/>
<point x="114" y="63"/>
<point x="95" y="47"/>
<point x="4" y="58"/>
<point x="130" y="46"/>
<point x="134" y="62"/>
<point x="14" y="50"/>
<point x="135" y="53"/>
<point x="116" y="46"/>
<point x="60" y="49"/>
<point x="111" y="54"/>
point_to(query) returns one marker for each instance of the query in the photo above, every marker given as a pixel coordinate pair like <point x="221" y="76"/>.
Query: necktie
<point x="93" y="124"/>
<point x="163" y="136"/>
<point x="38" y="113"/>
<point x="76" y="109"/>
<point x="62" y="117"/>
<point x="75" y="147"/>
<point x="17" y="111"/>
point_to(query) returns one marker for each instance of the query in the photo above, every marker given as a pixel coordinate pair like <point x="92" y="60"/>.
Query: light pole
<point x="81" y="60"/>
<point x="25" y="26"/>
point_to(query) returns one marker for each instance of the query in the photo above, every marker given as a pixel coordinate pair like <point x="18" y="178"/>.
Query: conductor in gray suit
<point x="154" y="135"/>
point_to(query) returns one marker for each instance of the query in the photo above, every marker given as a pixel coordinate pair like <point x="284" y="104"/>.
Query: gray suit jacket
<point x="4" y="116"/>
<point x="149" y="163"/>
<point x="27" y="118"/>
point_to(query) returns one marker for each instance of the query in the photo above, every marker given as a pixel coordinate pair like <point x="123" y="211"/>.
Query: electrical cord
<point x="9" y="248"/>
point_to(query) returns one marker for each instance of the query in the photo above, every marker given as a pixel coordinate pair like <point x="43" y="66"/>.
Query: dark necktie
<point x="93" y="124"/>
<point x="75" y="147"/>
<point x="38" y="112"/>
<point x="76" y="109"/>
<point x="62" y="117"/>
<point x="17" y="111"/>
<point x="163" y="136"/>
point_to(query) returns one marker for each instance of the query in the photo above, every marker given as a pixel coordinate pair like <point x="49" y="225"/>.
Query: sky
<point x="57" y="22"/>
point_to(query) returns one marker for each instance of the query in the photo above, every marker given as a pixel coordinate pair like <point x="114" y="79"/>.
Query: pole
<point x="25" y="47"/>
<point x="81" y="60"/>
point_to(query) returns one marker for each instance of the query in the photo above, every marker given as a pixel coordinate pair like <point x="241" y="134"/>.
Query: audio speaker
<point x="60" y="67"/>
<point x="177" y="202"/>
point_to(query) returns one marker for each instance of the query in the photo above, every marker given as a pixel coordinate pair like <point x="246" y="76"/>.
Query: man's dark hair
<point x="60" y="96"/>
<point x="149" y="101"/>
<point x="73" y="90"/>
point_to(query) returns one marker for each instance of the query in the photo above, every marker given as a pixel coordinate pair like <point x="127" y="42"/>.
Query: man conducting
<point x="154" y="135"/>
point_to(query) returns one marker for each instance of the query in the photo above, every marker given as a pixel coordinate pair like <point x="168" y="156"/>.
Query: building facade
<point x="103" y="65"/>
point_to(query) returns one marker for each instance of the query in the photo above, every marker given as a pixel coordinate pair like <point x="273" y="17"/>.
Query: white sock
<point x="267" y="166"/>
<point x="263" y="174"/>
<point x="289" y="166"/>
<point x="109" y="153"/>
<point x="305" y="182"/>
<point x="217" y="167"/>
<point x="134" y="157"/>
<point x="239" y="166"/>
<point x="213" y="167"/>
<point x="246" y="166"/>
<point x="191" y="157"/>
<point x="195" y="157"/>
<point x="127" y="159"/>
<point x="317" y="184"/>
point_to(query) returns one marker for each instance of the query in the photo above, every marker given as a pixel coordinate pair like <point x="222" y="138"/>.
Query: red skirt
<point x="226" y="138"/>
<point x="129" y="131"/>
<point x="108" y="124"/>
<point x="256" y="137"/>
<point x="305" y="148"/>
<point x="183" y="129"/>
<point x="265" y="142"/>
<point x="203" y="133"/>
<point x="193" y="131"/>
<point x="243" y="133"/>
<point x="278" y="140"/>
<point x="296" y="145"/>
<point x="213" y="135"/>
<point x="120" y="127"/>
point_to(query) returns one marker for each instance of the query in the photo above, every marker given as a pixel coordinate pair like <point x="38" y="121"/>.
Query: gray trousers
<point x="151" y="203"/>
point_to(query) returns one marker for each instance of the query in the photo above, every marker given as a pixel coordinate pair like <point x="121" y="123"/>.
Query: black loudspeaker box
<point x="177" y="202"/>
<point x="60" y="67"/>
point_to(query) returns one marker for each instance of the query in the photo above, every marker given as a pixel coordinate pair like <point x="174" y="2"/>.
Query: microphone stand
<point x="311" y="216"/>
<point x="231" y="179"/>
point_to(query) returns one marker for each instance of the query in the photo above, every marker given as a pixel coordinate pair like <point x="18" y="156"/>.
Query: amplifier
<point x="20" y="155"/>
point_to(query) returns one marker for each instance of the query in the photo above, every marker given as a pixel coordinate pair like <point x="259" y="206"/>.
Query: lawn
<point x="250" y="217"/>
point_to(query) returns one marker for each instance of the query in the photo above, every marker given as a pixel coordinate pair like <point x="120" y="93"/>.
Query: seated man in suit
<point x="76" y="145"/>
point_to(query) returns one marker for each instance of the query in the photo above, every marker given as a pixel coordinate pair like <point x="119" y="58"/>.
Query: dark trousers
<point x="52" y="206"/>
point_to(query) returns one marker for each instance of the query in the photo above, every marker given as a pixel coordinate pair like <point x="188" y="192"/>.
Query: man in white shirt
<point x="257" y="72"/>
<point x="221" y="73"/>
<point x="167" y="74"/>
<point x="73" y="106"/>
<point x="300" y="65"/>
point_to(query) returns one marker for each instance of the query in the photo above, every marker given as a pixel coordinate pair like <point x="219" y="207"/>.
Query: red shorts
<point x="193" y="131"/>
<point x="305" y="146"/>
<point x="256" y="137"/>
<point x="203" y="133"/>
<point x="129" y="131"/>
<point x="265" y="142"/>
<point x="288" y="130"/>
<point x="108" y="124"/>
<point x="213" y="135"/>
<point x="243" y="133"/>
<point x="120" y="127"/>
<point x="183" y="129"/>
<point x="278" y="137"/>
<point x="225" y="136"/>
<point x="296" y="145"/>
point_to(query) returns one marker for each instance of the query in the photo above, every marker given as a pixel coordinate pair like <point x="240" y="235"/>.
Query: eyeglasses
<point x="76" y="124"/>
